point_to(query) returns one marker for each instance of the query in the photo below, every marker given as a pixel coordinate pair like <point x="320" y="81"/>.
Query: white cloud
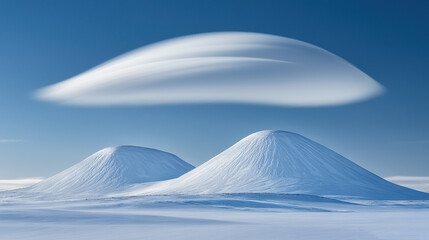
<point x="219" y="67"/>
<point x="18" y="183"/>
<point x="418" y="183"/>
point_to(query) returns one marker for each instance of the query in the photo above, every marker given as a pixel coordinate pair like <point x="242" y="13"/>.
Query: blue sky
<point x="44" y="42"/>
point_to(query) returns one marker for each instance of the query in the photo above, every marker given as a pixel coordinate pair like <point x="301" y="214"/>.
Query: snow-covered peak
<point x="282" y="162"/>
<point x="112" y="169"/>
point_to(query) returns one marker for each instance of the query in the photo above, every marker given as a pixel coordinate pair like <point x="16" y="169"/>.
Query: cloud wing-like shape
<point x="219" y="67"/>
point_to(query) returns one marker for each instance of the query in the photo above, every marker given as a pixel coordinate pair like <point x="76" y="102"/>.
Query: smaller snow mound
<point x="113" y="169"/>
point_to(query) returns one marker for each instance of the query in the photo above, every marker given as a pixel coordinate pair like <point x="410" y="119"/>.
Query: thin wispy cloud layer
<point x="11" y="184"/>
<point x="10" y="140"/>
<point x="418" y="183"/>
<point x="234" y="67"/>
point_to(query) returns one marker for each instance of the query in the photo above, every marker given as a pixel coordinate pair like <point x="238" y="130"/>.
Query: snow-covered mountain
<point x="281" y="162"/>
<point x="113" y="169"/>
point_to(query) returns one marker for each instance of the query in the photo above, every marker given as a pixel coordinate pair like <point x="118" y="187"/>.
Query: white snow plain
<point x="210" y="217"/>
<point x="270" y="185"/>
<point x="238" y="67"/>
<point x="414" y="182"/>
<point x="10" y="184"/>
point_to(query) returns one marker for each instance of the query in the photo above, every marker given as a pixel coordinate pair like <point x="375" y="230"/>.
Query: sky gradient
<point x="44" y="42"/>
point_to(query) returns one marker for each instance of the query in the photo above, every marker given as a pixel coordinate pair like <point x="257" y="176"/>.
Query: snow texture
<point x="281" y="162"/>
<point x="237" y="67"/>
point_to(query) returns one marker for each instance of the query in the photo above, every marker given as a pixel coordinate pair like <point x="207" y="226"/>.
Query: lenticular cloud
<point x="234" y="67"/>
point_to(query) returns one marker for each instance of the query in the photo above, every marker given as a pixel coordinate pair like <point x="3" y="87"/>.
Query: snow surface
<point x="110" y="170"/>
<point x="219" y="67"/>
<point x="234" y="216"/>
<point x="281" y="162"/>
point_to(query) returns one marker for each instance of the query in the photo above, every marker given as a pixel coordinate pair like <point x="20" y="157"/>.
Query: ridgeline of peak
<point x="273" y="134"/>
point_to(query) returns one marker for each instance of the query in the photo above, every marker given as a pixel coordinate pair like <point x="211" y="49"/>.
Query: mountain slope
<point x="112" y="169"/>
<point x="282" y="162"/>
